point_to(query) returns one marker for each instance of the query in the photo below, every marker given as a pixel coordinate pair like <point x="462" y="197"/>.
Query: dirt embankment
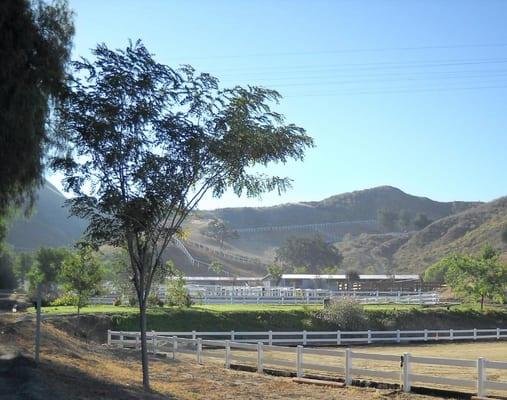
<point x="72" y="368"/>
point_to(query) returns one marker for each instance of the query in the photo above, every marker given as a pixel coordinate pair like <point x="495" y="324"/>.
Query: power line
<point x="344" y="51"/>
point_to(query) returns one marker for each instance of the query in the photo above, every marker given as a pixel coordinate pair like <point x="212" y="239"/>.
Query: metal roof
<point x="344" y="277"/>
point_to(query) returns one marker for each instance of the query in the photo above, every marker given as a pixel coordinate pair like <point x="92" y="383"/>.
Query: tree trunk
<point x="482" y="303"/>
<point x="144" y="345"/>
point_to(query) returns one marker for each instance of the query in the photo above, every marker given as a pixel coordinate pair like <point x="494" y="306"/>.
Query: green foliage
<point x="345" y="314"/>
<point x="68" y="299"/>
<point x="311" y="253"/>
<point x="154" y="301"/>
<point x="7" y="266"/>
<point x="387" y="219"/>
<point x="421" y="221"/>
<point x="275" y="271"/>
<point x="24" y="262"/>
<point x="81" y="274"/>
<point x="217" y="267"/>
<point x="477" y="277"/>
<point x="404" y="220"/>
<point x="36" y="44"/>
<point x="437" y="272"/>
<point x="220" y="231"/>
<point x="177" y="294"/>
<point x="45" y="271"/>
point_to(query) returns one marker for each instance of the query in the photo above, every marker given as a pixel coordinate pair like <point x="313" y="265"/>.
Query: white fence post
<point x="227" y="354"/>
<point x="232" y="336"/>
<point x="299" y="361"/>
<point x="199" y="351"/>
<point x="481" y="378"/>
<point x="194" y="336"/>
<point x="304" y="338"/>
<point x="260" y="357"/>
<point x="475" y="333"/>
<point x="348" y="367"/>
<point x="338" y="338"/>
<point x="175" y="347"/>
<point x="406" y="372"/>
<point x="498" y="333"/>
<point x="154" y="342"/>
<point x="451" y="334"/>
<point x="270" y="338"/>
<point x="425" y="335"/>
<point x="109" y="337"/>
<point x="369" y="336"/>
<point x="121" y="339"/>
<point x="398" y="336"/>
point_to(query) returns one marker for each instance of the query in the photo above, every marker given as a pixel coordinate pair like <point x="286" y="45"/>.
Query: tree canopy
<point x="311" y="253"/>
<point x="147" y="142"/>
<point x="220" y="231"/>
<point x="36" y="43"/>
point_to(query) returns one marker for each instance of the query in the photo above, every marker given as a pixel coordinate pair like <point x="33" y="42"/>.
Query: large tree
<point x="311" y="253"/>
<point x="148" y="142"/>
<point x="220" y="231"/>
<point x="35" y="43"/>
<point x="475" y="278"/>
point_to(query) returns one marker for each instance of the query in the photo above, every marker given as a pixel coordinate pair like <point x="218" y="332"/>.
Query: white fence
<point x="335" y="337"/>
<point x="342" y="362"/>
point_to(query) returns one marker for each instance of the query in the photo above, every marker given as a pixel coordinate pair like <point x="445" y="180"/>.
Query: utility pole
<point x="37" y="325"/>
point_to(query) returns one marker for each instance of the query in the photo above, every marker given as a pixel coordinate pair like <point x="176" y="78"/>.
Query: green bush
<point x="154" y="301"/>
<point x="67" y="299"/>
<point x="346" y="314"/>
<point x="117" y="302"/>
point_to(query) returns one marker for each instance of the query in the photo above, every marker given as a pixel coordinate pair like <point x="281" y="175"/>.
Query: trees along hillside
<point x="312" y="254"/>
<point x="146" y="142"/>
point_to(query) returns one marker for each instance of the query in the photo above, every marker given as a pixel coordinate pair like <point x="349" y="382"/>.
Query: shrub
<point x="117" y="302"/>
<point x="132" y="301"/>
<point x="346" y="314"/>
<point x="154" y="301"/>
<point x="68" y="299"/>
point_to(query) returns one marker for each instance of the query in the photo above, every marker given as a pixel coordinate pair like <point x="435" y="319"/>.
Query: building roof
<point x="343" y="277"/>
<point x="222" y="278"/>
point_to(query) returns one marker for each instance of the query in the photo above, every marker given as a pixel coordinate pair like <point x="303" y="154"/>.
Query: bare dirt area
<point x="72" y="368"/>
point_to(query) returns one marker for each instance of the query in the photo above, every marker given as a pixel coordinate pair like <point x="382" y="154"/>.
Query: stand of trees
<point x="220" y="231"/>
<point x="475" y="278"/>
<point x="308" y="254"/>
<point x="390" y="220"/>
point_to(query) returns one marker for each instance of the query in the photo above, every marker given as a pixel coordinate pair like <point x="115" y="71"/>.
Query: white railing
<point x="338" y="337"/>
<point x="339" y="362"/>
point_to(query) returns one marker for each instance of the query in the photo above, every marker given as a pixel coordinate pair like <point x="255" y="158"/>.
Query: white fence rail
<point x="338" y="338"/>
<point x="343" y="362"/>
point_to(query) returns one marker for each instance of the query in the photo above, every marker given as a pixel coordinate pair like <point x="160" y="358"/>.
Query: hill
<point x="464" y="232"/>
<point x="353" y="206"/>
<point x="50" y="223"/>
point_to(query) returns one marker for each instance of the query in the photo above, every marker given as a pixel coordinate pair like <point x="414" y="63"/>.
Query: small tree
<point x="387" y="219"/>
<point x="147" y="142"/>
<point x="24" y="262"/>
<point x="421" y="221"/>
<point x="81" y="274"/>
<point x="405" y="220"/>
<point x="177" y="293"/>
<point x="220" y="231"/>
<point x="275" y="271"/>
<point x="217" y="267"/>
<point x="45" y="271"/>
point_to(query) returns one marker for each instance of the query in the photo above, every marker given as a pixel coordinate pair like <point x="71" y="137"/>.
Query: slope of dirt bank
<point x="73" y="369"/>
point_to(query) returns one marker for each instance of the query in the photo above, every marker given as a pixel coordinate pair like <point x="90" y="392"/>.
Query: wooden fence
<point x="345" y="363"/>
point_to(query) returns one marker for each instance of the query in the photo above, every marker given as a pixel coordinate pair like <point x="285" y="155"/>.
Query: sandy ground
<point x="74" y="369"/>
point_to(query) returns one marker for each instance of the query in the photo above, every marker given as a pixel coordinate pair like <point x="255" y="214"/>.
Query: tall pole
<point x="37" y="326"/>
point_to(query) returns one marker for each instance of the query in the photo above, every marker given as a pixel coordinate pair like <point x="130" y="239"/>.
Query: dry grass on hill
<point x="74" y="369"/>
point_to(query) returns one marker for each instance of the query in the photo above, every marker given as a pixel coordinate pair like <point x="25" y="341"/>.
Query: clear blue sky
<point x="404" y="93"/>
